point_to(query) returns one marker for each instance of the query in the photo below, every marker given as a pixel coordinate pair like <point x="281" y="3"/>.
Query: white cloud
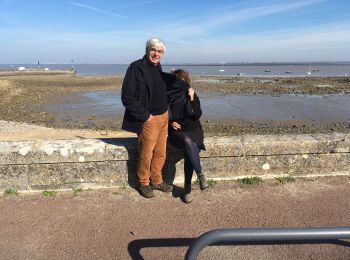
<point x="96" y="9"/>
<point x="328" y="42"/>
<point x="203" y="25"/>
<point x="134" y="4"/>
<point x="188" y="40"/>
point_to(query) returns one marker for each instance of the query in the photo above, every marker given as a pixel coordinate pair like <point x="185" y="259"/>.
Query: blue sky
<point x="106" y="31"/>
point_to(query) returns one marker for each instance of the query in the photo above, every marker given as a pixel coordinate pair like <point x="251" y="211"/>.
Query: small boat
<point x="315" y="70"/>
<point x="308" y="72"/>
<point x="288" y="71"/>
<point x="267" y="70"/>
<point x="222" y="67"/>
<point x="241" y="74"/>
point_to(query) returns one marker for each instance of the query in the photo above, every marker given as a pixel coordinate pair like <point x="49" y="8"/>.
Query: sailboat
<point x="222" y="67"/>
<point x="308" y="72"/>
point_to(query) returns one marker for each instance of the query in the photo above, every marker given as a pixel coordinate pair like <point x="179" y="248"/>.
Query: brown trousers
<point x="152" y="150"/>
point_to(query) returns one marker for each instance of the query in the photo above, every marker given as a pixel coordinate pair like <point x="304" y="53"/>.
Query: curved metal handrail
<point x="265" y="235"/>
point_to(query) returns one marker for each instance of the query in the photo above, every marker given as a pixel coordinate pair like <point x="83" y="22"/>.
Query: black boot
<point x="187" y="194"/>
<point x="203" y="184"/>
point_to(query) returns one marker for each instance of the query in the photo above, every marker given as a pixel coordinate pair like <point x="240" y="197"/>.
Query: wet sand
<point x="22" y="97"/>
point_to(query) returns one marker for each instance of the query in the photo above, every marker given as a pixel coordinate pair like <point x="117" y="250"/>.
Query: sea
<point x="254" y="69"/>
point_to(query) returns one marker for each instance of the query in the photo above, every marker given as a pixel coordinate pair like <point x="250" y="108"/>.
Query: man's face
<point x="154" y="54"/>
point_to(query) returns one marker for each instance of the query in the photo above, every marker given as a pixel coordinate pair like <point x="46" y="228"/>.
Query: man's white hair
<point x="155" y="42"/>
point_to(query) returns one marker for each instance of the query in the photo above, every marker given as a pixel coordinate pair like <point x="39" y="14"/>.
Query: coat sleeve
<point x="131" y="97"/>
<point x="196" y="110"/>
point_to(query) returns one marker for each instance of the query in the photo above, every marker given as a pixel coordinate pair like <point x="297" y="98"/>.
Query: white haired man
<point x="144" y="96"/>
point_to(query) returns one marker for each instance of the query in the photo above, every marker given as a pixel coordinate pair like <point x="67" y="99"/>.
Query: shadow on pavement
<point x="135" y="246"/>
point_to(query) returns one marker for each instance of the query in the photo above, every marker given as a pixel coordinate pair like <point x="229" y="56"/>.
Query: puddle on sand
<point x="284" y="107"/>
<point x="216" y="107"/>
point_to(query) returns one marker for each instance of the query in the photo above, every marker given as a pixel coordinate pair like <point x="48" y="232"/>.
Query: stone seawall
<point x="92" y="163"/>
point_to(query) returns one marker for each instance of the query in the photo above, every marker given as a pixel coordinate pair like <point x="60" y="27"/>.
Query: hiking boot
<point x="188" y="197"/>
<point x="162" y="186"/>
<point x="187" y="193"/>
<point x="202" y="181"/>
<point x="146" y="191"/>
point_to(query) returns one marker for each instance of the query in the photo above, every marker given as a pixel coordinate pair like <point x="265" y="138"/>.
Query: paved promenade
<point x="120" y="224"/>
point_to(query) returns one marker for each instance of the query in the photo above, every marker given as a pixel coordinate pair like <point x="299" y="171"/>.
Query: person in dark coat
<point x="185" y="129"/>
<point x="144" y="96"/>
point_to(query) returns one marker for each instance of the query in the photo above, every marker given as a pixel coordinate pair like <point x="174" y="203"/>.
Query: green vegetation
<point x="211" y="182"/>
<point x="124" y="186"/>
<point x="12" y="191"/>
<point x="77" y="190"/>
<point x="49" y="193"/>
<point x="285" y="179"/>
<point x="250" y="180"/>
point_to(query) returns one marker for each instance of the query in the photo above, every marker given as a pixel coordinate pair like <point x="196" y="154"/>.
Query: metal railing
<point x="266" y="235"/>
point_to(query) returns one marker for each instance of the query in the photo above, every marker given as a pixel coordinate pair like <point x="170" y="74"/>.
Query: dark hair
<point x="182" y="74"/>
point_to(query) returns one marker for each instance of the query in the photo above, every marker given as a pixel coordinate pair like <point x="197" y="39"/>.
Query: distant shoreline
<point x="272" y="63"/>
<point x="256" y="63"/>
<point x="34" y="72"/>
<point x="225" y="69"/>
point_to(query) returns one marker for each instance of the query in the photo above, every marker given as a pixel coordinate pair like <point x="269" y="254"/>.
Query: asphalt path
<point x="120" y="224"/>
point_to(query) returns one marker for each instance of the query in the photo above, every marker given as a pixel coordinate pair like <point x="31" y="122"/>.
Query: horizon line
<point x="195" y="63"/>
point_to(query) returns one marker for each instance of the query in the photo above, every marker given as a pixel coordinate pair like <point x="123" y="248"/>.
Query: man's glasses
<point x="156" y="50"/>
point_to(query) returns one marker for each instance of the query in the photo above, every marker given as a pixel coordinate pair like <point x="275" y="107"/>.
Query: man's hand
<point x="175" y="125"/>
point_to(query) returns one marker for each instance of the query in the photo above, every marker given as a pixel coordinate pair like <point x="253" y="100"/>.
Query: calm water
<point x="248" y="70"/>
<point x="215" y="107"/>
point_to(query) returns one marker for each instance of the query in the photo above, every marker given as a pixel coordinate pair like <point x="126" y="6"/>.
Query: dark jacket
<point x="187" y="114"/>
<point x="181" y="109"/>
<point x="177" y="91"/>
<point x="136" y="95"/>
<point x="192" y="111"/>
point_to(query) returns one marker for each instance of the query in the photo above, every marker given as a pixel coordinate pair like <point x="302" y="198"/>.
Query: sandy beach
<point x="22" y="95"/>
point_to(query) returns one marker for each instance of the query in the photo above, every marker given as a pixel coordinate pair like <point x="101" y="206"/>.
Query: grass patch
<point x="124" y="186"/>
<point x="211" y="182"/>
<point x="11" y="191"/>
<point x="49" y="193"/>
<point x="77" y="190"/>
<point x="285" y="179"/>
<point x="250" y="180"/>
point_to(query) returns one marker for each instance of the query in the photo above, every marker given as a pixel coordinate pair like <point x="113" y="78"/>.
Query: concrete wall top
<point x="81" y="150"/>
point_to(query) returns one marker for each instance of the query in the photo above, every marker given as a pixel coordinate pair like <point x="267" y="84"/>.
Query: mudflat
<point x="21" y="98"/>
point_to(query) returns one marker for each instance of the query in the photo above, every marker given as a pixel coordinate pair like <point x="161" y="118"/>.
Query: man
<point x="144" y="97"/>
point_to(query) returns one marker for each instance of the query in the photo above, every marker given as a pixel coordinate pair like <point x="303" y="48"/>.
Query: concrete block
<point x="14" y="176"/>
<point x="70" y="175"/>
